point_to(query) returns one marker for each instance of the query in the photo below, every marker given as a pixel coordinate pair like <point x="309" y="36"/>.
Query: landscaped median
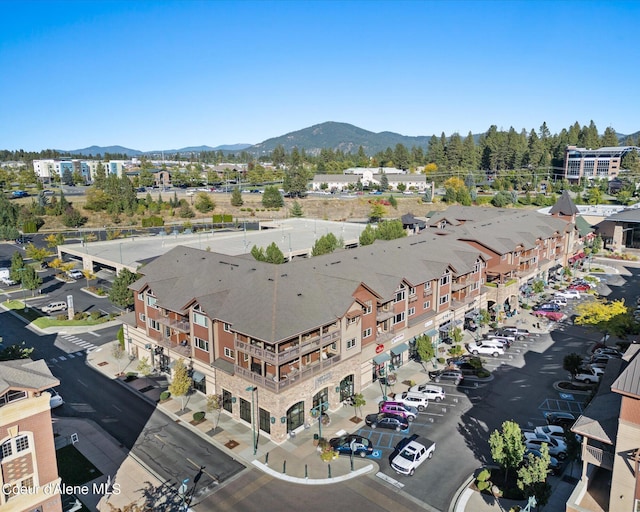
<point x="34" y="317"/>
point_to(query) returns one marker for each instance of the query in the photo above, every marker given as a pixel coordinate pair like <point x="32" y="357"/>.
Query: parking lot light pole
<point x="253" y="389"/>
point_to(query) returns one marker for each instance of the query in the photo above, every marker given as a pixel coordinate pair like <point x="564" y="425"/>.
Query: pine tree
<point x="236" y="197"/>
<point x="296" y="210"/>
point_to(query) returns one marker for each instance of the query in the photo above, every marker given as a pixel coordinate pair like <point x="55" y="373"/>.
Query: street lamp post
<point x="253" y="389"/>
<point x="320" y="408"/>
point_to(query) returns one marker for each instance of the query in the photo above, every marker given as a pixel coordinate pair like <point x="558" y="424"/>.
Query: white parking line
<point x="95" y="334"/>
<point x="78" y="380"/>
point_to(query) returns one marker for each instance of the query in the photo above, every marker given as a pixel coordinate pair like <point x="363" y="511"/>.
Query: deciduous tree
<point x="180" y="382"/>
<point x="507" y="446"/>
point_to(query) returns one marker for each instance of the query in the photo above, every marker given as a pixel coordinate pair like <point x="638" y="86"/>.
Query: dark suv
<point x="546" y="307"/>
<point x="387" y="420"/>
<point x="561" y="419"/>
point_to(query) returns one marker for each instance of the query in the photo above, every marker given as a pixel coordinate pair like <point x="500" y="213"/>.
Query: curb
<point x="312" y="481"/>
<point x="461" y="496"/>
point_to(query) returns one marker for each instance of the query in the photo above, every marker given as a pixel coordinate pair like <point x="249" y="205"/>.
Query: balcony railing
<point x="179" y="325"/>
<point x="270" y="382"/>
<point x="382" y="315"/>
<point x="289" y="354"/>
<point x="598" y="457"/>
<point x="183" y="350"/>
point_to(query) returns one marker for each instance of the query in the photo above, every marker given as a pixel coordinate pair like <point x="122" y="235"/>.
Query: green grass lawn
<point x="34" y="316"/>
<point x="74" y="468"/>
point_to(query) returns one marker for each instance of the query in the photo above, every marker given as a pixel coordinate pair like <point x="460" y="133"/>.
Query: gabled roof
<point x="564" y="205"/>
<point x="25" y="374"/>
<point x="628" y="383"/>
<point x="274" y="302"/>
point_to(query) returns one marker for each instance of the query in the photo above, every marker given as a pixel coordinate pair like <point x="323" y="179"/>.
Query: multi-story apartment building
<point x="49" y="169"/>
<point x="610" y="430"/>
<point x="28" y="468"/>
<point x="312" y="332"/>
<point x="601" y="163"/>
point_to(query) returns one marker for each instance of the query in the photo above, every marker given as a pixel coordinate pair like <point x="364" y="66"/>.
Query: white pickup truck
<point x="411" y="454"/>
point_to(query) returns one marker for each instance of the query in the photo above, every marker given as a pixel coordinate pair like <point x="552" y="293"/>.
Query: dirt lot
<point x="328" y="208"/>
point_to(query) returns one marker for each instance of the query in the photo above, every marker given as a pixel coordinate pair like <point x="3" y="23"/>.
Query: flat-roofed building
<point x="601" y="163"/>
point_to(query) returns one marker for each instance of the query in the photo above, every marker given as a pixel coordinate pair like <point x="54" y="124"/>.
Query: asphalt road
<point x="170" y="450"/>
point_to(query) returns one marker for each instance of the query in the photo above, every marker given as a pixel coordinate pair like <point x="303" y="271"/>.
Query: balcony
<point x="269" y="382"/>
<point x="178" y="325"/>
<point x="384" y="314"/>
<point x="183" y="350"/>
<point x="277" y="358"/>
<point x="598" y="457"/>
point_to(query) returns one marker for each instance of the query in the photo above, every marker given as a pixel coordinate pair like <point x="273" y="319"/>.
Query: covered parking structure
<point x="294" y="237"/>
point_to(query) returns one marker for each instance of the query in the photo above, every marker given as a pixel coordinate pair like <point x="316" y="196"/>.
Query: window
<point x="477" y="267"/>
<point x="367" y="308"/>
<point x="503" y="257"/>
<point x="351" y="343"/>
<point x="12" y="396"/>
<point x="143" y="317"/>
<point x="201" y="344"/>
<point x="366" y="333"/>
<point x="474" y="286"/>
<point x="167" y="331"/>
<point x="352" y="320"/>
<point x="399" y="318"/>
<point x="200" y="319"/>
<point x="6" y="449"/>
<point x="226" y="327"/>
<point x="140" y="296"/>
<point x="427" y="286"/>
<point x="412" y="291"/>
<point x="426" y="304"/>
<point x="229" y="353"/>
<point x="444" y="299"/>
<point x="245" y="410"/>
<point x="400" y="295"/>
<point x="153" y="324"/>
<point x="411" y="312"/>
<point x="22" y="443"/>
<point x="445" y="279"/>
<point x="151" y="301"/>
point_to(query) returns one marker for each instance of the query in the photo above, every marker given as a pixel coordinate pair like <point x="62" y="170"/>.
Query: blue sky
<point x="164" y="75"/>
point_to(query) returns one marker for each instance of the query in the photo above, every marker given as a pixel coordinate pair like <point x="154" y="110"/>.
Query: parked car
<point x="607" y="351"/>
<point x="546" y="307"/>
<point x="506" y="341"/>
<point x="430" y="391"/>
<point x="387" y="420"/>
<point x="412" y="455"/>
<point x="361" y="446"/>
<point x="55" y="400"/>
<point x="448" y="374"/>
<point x="534" y="441"/>
<point x="560" y="301"/>
<point x="19" y="193"/>
<point x="488" y="347"/>
<point x="561" y="419"/>
<point x="413" y="399"/>
<point x="588" y="375"/>
<point x="75" y="274"/>
<point x="52" y="307"/>
<point x="519" y="333"/>
<point x="554" y="464"/>
<point x="399" y="408"/>
<point x="500" y="333"/>
<point x="554" y="316"/>
<point x="567" y="294"/>
<point x="555" y="431"/>
<point x="579" y="287"/>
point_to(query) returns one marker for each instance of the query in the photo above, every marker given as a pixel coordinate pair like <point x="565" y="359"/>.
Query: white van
<point x="54" y="306"/>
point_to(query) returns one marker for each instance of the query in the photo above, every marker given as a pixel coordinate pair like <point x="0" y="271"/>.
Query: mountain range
<point x="336" y="136"/>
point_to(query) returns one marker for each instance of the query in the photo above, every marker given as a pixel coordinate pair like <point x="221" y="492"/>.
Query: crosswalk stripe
<point x="70" y="356"/>
<point x="62" y="358"/>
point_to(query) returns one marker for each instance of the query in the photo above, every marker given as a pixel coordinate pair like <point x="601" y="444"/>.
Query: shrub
<point x="165" y="395"/>
<point x="198" y="416"/>
<point x="152" y="221"/>
<point x="95" y="315"/>
<point x="482" y="480"/>
<point x="482" y="373"/>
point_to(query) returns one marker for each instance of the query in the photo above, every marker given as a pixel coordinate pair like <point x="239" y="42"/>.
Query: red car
<point x="554" y="316"/>
<point x="579" y="287"/>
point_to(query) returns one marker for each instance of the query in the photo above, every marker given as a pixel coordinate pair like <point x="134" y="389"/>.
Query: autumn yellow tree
<point x="607" y="317"/>
<point x="430" y="168"/>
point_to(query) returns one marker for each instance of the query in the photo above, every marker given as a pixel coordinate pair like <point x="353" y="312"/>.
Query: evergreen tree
<point x="100" y="177"/>
<point x="384" y="182"/>
<point x="401" y="157"/>
<point x="272" y="198"/>
<point x="326" y="244"/>
<point x="368" y="235"/>
<point x="296" y="210"/>
<point x="609" y="138"/>
<point x="236" y="197"/>
<point x="120" y="293"/>
<point x="435" y="152"/>
<point x="17" y="266"/>
<point x="274" y="254"/>
<point x="390" y="230"/>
